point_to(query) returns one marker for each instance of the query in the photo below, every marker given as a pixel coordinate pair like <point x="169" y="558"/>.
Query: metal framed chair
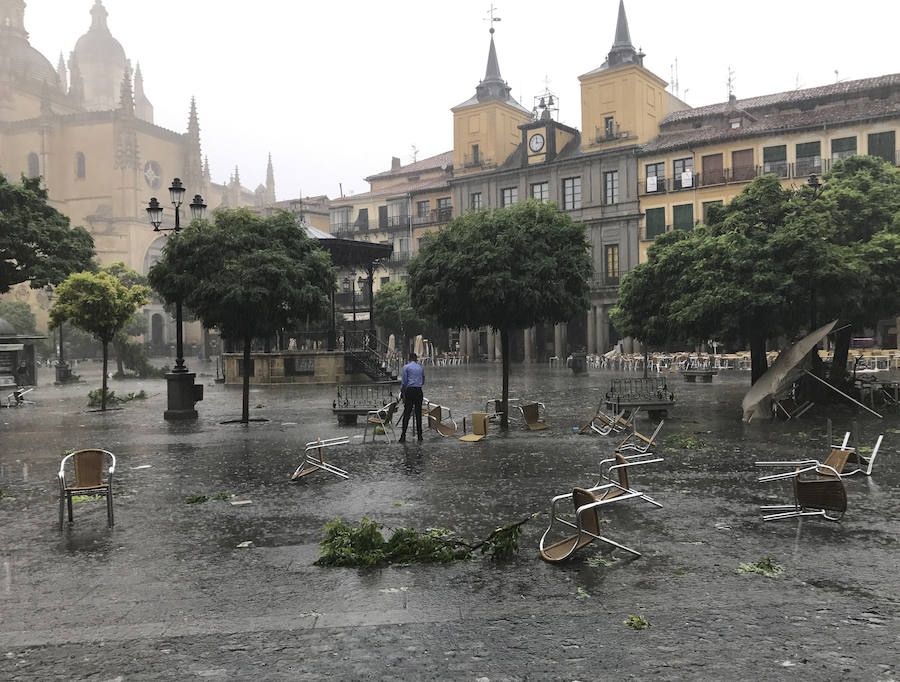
<point x="588" y="503"/>
<point x="605" y="424"/>
<point x="837" y="460"/>
<point x="818" y="491"/>
<point x="494" y="408"/>
<point x="638" y="442"/>
<point x="479" y="428"/>
<point x="88" y="468"/>
<point x="382" y="417"/>
<point x="534" y="415"/>
<point x="314" y="460"/>
<point x="440" y="419"/>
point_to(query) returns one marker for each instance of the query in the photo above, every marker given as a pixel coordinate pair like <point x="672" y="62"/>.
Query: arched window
<point x="34" y="169"/>
<point x="80" y="171"/>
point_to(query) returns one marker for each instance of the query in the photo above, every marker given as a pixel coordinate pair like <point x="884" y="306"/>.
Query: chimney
<point x="395" y="163"/>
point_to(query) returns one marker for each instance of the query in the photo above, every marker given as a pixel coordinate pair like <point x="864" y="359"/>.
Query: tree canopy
<point x="19" y="315"/>
<point x="774" y="261"/>
<point x="507" y="268"/>
<point x="36" y="242"/>
<point x="98" y="303"/>
<point x="246" y="275"/>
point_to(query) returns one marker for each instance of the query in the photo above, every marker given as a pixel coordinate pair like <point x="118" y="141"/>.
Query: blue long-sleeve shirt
<point x="413" y="374"/>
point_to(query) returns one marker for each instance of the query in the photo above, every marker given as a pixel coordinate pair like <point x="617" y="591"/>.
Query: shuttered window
<point x="656" y="222"/>
<point x="683" y="217"/>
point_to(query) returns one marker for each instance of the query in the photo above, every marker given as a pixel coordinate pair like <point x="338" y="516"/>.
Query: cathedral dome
<point x="16" y="53"/>
<point x="101" y="60"/>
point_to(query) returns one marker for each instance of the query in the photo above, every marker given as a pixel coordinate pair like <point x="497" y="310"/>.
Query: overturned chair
<point x="89" y="469"/>
<point x="534" y="415"/>
<point x="314" y="458"/>
<point x="605" y="424"/>
<point x="440" y="419"/>
<point x="613" y="487"/>
<point x="638" y="442"/>
<point x="818" y="491"/>
<point x="479" y="428"/>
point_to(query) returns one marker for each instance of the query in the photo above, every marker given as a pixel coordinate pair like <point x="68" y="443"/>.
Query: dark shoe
<point x="402" y="439"/>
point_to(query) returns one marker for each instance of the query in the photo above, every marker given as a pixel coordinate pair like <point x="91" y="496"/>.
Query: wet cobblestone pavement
<point x="167" y="594"/>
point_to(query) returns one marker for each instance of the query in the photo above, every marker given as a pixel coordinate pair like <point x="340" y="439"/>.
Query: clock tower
<point x="544" y="137"/>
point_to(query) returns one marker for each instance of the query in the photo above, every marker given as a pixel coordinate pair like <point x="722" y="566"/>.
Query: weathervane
<point x="493" y="18"/>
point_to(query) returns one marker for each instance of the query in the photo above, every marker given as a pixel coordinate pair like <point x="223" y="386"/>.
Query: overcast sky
<point x="335" y="89"/>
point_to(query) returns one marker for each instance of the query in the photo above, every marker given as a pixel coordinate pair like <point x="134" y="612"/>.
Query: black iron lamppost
<point x="814" y="184"/>
<point x="182" y="392"/>
<point x="63" y="371"/>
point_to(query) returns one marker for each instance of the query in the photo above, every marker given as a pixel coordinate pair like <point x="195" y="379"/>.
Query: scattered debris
<point x="685" y="441"/>
<point x="197" y="499"/>
<point x="600" y="562"/>
<point x="142" y="466"/>
<point x="765" y="567"/>
<point x="237" y="503"/>
<point x="637" y="622"/>
<point x="87" y="498"/>
<point x="582" y="594"/>
<point x="245" y="544"/>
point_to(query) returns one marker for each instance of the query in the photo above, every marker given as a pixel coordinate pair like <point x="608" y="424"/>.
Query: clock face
<point x="536" y="142"/>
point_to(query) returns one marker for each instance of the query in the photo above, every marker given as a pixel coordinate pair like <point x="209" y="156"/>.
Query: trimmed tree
<point x="394" y="311"/>
<point x="249" y="276"/>
<point x="37" y="245"/>
<point x="99" y="304"/>
<point x="507" y="268"/>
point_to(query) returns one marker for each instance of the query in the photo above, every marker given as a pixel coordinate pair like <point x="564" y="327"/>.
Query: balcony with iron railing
<point x="477" y="161"/>
<point x="394" y="223"/>
<point x="436" y="217"/>
<point x="398" y="258"/>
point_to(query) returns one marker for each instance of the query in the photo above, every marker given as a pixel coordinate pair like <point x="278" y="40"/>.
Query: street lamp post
<point x="63" y="371"/>
<point x="182" y="392"/>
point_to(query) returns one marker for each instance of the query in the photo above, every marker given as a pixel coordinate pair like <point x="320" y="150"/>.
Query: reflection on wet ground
<point x="171" y="572"/>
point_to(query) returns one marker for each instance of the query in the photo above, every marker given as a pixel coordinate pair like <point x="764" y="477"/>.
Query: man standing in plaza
<point x="412" y="378"/>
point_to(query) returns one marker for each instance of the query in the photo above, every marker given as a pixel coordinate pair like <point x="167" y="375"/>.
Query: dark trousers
<point x="412" y="402"/>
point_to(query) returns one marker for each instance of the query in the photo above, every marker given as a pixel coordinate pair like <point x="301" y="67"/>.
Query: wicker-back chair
<point x="88" y="468"/>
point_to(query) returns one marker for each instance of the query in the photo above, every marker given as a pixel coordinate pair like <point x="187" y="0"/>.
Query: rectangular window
<point x="476" y="158"/>
<point x="397" y="216"/>
<point x="742" y="168"/>
<point x="611" y="187"/>
<point x="612" y="264"/>
<point x="540" y="191"/>
<point x="475" y="201"/>
<point x="843" y="147"/>
<point x="571" y="193"/>
<point x="683" y="217"/>
<point x="706" y="207"/>
<point x="339" y="219"/>
<point x="656" y="177"/>
<point x="882" y="146"/>
<point x="775" y="160"/>
<point x="609" y="127"/>
<point x="683" y="173"/>
<point x="656" y="222"/>
<point x="444" y="209"/>
<point x="385" y="280"/>
<point x="809" y="158"/>
<point x="423" y="208"/>
<point x="509" y="195"/>
<point x="713" y="172"/>
<point x="362" y="219"/>
<point x="382" y="217"/>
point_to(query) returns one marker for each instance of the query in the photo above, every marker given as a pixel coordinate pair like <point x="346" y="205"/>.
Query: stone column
<point x="491" y="346"/>
<point x="591" y="330"/>
<point x="528" y="338"/>
<point x="473" y="345"/>
<point x="498" y="347"/>
<point x="463" y="343"/>
<point x="602" y="322"/>
<point x="558" y="340"/>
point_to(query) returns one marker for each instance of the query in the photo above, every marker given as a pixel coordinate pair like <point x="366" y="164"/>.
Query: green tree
<point x="130" y="354"/>
<point x="19" y="315"/>
<point x="37" y="245"/>
<point x="246" y="275"/>
<point x="99" y="304"/>
<point x="395" y="313"/>
<point x="507" y="268"/>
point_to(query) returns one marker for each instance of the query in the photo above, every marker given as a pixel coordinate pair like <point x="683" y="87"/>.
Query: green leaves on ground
<point x="637" y="622"/>
<point x="765" y="567"/>
<point x="364" y="545"/>
<point x="95" y="397"/>
<point x="582" y="593"/>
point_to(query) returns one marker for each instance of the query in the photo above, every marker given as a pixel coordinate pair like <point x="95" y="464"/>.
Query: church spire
<point x="270" y="183"/>
<point x="126" y="96"/>
<point x="193" y="159"/>
<point x="61" y="71"/>
<point x="623" y="51"/>
<point x="493" y="87"/>
<point x="76" y="83"/>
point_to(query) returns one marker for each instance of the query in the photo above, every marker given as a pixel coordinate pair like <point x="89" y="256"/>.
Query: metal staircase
<point x="371" y="357"/>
